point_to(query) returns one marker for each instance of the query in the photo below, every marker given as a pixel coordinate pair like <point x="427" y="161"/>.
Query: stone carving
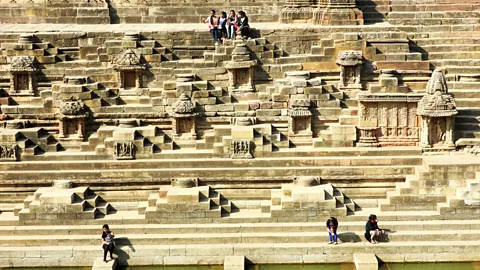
<point x="127" y="61"/>
<point x="368" y="137"/>
<point x="130" y="69"/>
<point x="71" y="116"/>
<point x="22" y="64"/>
<point x="22" y="77"/>
<point x="241" y="149"/>
<point x="240" y="69"/>
<point x="300" y="117"/>
<point x="72" y="108"/>
<point x="438" y="111"/>
<point x="350" y="69"/>
<point x="244" y="121"/>
<point x="124" y="150"/>
<point x="8" y="152"/>
<point x="184" y="107"/>
<point x="339" y="12"/>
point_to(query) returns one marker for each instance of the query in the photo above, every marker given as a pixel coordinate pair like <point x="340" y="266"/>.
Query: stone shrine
<point x="126" y="113"/>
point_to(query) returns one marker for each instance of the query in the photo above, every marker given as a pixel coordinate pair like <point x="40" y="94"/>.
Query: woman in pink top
<point x="212" y="21"/>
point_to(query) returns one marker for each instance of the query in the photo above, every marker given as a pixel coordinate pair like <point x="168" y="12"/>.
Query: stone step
<point x="265" y="253"/>
<point x="336" y="159"/>
<point x="236" y="237"/>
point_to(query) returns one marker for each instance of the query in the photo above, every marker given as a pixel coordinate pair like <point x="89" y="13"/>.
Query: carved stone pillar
<point x="240" y="70"/>
<point x="438" y="111"/>
<point x="341" y="12"/>
<point x="350" y="63"/>
<point x="368" y="137"/>
<point x="72" y="120"/>
<point x="184" y="119"/>
<point x="297" y="11"/>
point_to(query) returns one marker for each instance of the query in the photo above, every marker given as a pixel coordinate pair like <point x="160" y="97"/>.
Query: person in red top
<point x="212" y="21"/>
<point x="332" y="225"/>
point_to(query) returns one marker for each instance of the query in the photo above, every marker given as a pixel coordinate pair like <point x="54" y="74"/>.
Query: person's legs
<point x="330" y="237"/>
<point x="105" y="250"/>
<point x="335" y="237"/>
<point x="232" y="31"/>
<point x="111" y="247"/>
<point x="373" y="233"/>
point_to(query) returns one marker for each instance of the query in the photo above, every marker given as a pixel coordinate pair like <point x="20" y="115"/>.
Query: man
<point x="372" y="230"/>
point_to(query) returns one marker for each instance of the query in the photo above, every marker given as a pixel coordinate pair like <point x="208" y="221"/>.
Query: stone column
<point x="450" y="124"/>
<point x="297" y="11"/>
<point x="342" y="12"/>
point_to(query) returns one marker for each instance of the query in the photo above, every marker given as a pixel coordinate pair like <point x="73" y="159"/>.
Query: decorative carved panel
<point x="71" y="127"/>
<point x="185" y="125"/>
<point x="242" y="77"/>
<point x="8" y="152"/>
<point x="124" y="150"/>
<point x="241" y="149"/>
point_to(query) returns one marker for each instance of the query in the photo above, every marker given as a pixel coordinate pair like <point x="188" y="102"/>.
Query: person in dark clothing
<point x="107" y="241"/>
<point x="372" y="230"/>
<point x="332" y="225"/>
<point x="243" y="26"/>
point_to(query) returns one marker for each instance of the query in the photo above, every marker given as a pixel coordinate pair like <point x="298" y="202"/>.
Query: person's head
<point x="232" y="13"/>
<point x="212" y="12"/>
<point x="224" y="14"/>
<point x="105" y="228"/>
<point x="372" y="217"/>
<point x="242" y="14"/>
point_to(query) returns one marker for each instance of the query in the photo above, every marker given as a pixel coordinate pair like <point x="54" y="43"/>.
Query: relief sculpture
<point x="8" y="152"/>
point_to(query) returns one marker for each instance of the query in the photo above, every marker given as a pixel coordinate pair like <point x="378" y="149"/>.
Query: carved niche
<point x="437" y="109"/>
<point x="350" y="63"/>
<point x="388" y="114"/>
<point x="22" y="75"/>
<point x="8" y="152"/>
<point x="300" y="117"/>
<point x="184" y="118"/>
<point x="130" y="70"/>
<point x="240" y="69"/>
<point x="71" y="118"/>
<point x="241" y="149"/>
<point x="124" y="150"/>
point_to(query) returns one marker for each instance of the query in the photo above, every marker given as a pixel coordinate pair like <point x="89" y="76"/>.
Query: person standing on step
<point x="332" y="225"/>
<point x="107" y="242"/>
<point x="372" y="230"/>
<point x="243" y="26"/>
<point x="212" y="21"/>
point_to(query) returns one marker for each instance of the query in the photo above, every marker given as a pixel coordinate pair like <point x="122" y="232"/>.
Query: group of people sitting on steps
<point x="228" y="26"/>
<point x="372" y="231"/>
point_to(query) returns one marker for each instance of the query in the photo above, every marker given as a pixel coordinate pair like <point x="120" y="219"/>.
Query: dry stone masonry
<point x="234" y="154"/>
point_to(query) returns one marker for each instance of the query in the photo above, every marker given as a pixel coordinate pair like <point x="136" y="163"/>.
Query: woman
<point x="243" y="26"/>
<point x="222" y="25"/>
<point x="231" y="24"/>
<point x="372" y="230"/>
<point x="332" y="225"/>
<point x="107" y="242"/>
<point x="212" y="21"/>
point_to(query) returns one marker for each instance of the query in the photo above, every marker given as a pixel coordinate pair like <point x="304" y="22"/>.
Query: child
<point x="107" y="240"/>
<point x="332" y="225"/>
<point x="222" y="25"/>
<point x="231" y="25"/>
<point x="212" y="21"/>
<point x="243" y="25"/>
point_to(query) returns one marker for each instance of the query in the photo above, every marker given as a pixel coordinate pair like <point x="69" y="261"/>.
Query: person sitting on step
<point x="212" y="21"/>
<point x="243" y="26"/>
<point x="332" y="225"/>
<point x="107" y="242"/>
<point x="372" y="231"/>
<point x="231" y="25"/>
